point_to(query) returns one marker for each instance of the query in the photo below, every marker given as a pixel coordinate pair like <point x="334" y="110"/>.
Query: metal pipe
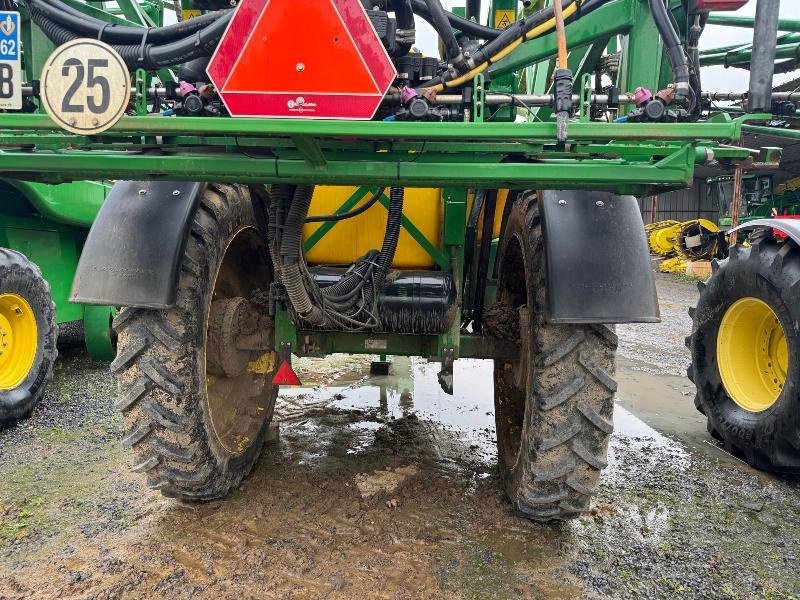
<point x="749" y="22"/>
<point x="762" y="65"/>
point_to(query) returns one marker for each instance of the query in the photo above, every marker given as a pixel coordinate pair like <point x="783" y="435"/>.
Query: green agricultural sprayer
<point x="296" y="179"/>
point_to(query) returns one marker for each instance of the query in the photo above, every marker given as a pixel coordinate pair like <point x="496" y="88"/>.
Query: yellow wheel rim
<point x="18" y="340"/>
<point x="752" y="354"/>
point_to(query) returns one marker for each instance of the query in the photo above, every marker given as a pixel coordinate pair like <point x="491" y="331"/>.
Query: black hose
<point x="281" y="195"/>
<point x="513" y="32"/>
<point x="77" y="22"/>
<point x="459" y="23"/>
<point x="349" y="299"/>
<point x="672" y="43"/>
<point x="442" y="26"/>
<point x="389" y="248"/>
<point x="489" y="209"/>
<point x="350" y="214"/>
<point x="151" y="56"/>
<point x="406" y="27"/>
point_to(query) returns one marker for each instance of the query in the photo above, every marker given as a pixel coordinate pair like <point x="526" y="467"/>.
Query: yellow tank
<point x="351" y="238"/>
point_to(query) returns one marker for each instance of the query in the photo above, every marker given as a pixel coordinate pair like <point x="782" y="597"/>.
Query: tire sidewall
<point x="239" y="219"/>
<point x="514" y="236"/>
<point x="749" y="275"/>
<point x="28" y="283"/>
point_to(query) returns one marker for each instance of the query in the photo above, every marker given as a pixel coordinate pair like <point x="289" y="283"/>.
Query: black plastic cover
<point x="134" y="248"/>
<point x="598" y="261"/>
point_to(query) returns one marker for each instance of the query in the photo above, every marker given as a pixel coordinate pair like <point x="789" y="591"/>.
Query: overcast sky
<point x="717" y="79"/>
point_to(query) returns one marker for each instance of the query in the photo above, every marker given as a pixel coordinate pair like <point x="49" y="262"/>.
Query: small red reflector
<point x="285" y="375"/>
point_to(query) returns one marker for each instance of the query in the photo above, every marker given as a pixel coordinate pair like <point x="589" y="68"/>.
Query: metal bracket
<point x="585" y="106"/>
<point x="478" y="98"/>
<point x="141" y="92"/>
<point x="445" y="376"/>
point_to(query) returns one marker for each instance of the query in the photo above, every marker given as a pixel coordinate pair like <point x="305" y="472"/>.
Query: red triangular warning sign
<point x="289" y="58"/>
<point x="291" y="51"/>
<point x="285" y="375"/>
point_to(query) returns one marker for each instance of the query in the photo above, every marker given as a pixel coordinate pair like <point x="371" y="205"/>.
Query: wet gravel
<point x="670" y="520"/>
<point x="660" y="348"/>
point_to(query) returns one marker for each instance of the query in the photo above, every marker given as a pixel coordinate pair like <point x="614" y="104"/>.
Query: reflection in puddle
<point x="467" y="417"/>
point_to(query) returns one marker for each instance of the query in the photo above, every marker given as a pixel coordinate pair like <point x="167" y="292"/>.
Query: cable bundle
<point x="348" y="304"/>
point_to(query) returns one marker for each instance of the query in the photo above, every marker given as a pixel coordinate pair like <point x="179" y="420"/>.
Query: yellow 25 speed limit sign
<point x="85" y="86"/>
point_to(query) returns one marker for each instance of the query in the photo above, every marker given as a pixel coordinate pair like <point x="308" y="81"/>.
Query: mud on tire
<point x="196" y="431"/>
<point x="22" y="278"/>
<point x="553" y="406"/>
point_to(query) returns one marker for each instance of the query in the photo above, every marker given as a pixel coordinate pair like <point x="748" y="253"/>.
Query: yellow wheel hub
<point x="663" y="241"/>
<point x="18" y="340"/>
<point x="752" y="354"/>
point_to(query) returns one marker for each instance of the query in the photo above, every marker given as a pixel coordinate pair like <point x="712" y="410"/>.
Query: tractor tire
<point x="28" y="335"/>
<point x="745" y="345"/>
<point x="554" y="405"/>
<point x="196" y="407"/>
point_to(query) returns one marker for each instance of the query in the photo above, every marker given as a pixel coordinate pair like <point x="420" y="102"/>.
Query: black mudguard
<point x="598" y="260"/>
<point x="134" y="248"/>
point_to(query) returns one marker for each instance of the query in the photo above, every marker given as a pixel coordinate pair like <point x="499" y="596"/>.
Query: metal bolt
<point x="300" y="67"/>
<point x="176" y="192"/>
<point x="562" y="202"/>
<point x="142" y="192"/>
<point x="600" y="203"/>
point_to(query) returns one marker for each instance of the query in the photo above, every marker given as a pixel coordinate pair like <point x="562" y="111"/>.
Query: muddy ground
<point x="386" y="488"/>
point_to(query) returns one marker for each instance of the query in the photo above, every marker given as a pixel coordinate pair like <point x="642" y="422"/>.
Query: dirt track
<point x="387" y="488"/>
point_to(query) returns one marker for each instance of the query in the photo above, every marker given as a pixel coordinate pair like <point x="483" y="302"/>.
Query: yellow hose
<point x="533" y="33"/>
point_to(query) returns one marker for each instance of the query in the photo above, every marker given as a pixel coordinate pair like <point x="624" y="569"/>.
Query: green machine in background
<point x="42" y="231"/>
<point x="761" y="198"/>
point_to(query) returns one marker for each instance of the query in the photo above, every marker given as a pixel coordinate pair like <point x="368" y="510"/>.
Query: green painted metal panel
<point x="54" y="248"/>
<point x="70" y="203"/>
<point x="321" y="343"/>
<point x="455" y="216"/>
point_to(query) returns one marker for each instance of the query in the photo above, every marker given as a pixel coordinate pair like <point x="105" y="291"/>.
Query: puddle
<point x="466" y="417"/>
<point x="463" y="424"/>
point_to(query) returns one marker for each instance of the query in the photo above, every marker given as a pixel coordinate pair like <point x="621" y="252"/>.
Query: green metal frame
<point x="489" y="152"/>
<point x="48" y="224"/>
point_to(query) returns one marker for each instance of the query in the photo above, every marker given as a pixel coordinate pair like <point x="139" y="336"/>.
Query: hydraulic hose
<point x="531" y="27"/>
<point x="150" y="56"/>
<point x="147" y="56"/>
<point x="350" y="214"/>
<point x="291" y="254"/>
<point x="406" y="26"/>
<point x="442" y="26"/>
<point x="672" y="43"/>
<point x="389" y="248"/>
<point x="351" y="298"/>
<point x="77" y="22"/>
